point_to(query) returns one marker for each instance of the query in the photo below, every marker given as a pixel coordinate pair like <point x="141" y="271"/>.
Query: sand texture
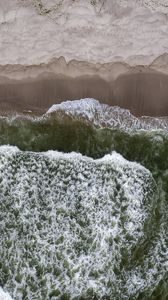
<point x="99" y="31"/>
<point x="114" y="51"/>
<point x="141" y="93"/>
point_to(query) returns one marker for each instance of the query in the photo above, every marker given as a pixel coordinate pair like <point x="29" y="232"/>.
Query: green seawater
<point x="82" y="226"/>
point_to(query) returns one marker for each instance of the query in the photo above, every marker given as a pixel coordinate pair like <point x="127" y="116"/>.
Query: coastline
<point x="80" y="49"/>
<point x="141" y="89"/>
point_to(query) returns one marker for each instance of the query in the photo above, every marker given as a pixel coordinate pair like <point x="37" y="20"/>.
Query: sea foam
<point x="4" y="295"/>
<point x="72" y="225"/>
<point x="103" y="115"/>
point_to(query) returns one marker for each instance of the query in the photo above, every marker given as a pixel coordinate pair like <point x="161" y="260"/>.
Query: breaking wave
<point x="90" y="225"/>
<point x="103" y="115"/>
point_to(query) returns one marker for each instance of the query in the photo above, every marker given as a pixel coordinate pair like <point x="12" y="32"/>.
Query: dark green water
<point x="84" y="226"/>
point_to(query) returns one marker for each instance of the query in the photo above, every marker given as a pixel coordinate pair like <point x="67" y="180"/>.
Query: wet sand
<point x="143" y="93"/>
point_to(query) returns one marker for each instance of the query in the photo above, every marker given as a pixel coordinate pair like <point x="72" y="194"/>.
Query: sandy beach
<point x="143" y="93"/>
<point x="113" y="51"/>
<point x="83" y="184"/>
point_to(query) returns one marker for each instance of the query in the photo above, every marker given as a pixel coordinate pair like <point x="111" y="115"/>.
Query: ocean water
<point x="83" y="204"/>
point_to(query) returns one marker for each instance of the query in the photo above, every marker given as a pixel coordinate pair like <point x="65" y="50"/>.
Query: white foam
<point x="90" y="205"/>
<point x="103" y="115"/>
<point x="78" y="106"/>
<point x="8" y="150"/>
<point x="4" y="295"/>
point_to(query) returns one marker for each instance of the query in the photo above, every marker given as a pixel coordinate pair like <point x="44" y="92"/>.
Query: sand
<point x="114" y="51"/>
<point x="143" y="93"/>
<point x="33" y="32"/>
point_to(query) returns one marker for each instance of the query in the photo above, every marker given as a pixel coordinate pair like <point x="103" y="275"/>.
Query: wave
<point x="84" y="126"/>
<point x="103" y="115"/>
<point x="87" y="224"/>
<point x="78" y="227"/>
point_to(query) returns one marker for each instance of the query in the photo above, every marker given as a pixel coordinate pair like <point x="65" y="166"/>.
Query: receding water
<point x="84" y="226"/>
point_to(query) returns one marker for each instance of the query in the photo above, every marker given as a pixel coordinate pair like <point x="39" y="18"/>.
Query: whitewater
<point x="83" y="205"/>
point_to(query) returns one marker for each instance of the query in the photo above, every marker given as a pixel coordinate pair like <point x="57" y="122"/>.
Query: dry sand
<point x="114" y="51"/>
<point x="128" y="31"/>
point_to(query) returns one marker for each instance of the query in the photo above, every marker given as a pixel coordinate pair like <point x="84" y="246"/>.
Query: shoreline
<point x="73" y="68"/>
<point x="141" y="89"/>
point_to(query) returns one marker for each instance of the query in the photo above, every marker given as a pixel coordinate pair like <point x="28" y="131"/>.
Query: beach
<point x="137" y="91"/>
<point x="83" y="149"/>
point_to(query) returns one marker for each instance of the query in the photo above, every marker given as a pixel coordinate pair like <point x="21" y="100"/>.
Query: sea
<point x="83" y="204"/>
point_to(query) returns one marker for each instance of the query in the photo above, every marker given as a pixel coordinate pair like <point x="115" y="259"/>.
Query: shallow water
<point x="90" y="225"/>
